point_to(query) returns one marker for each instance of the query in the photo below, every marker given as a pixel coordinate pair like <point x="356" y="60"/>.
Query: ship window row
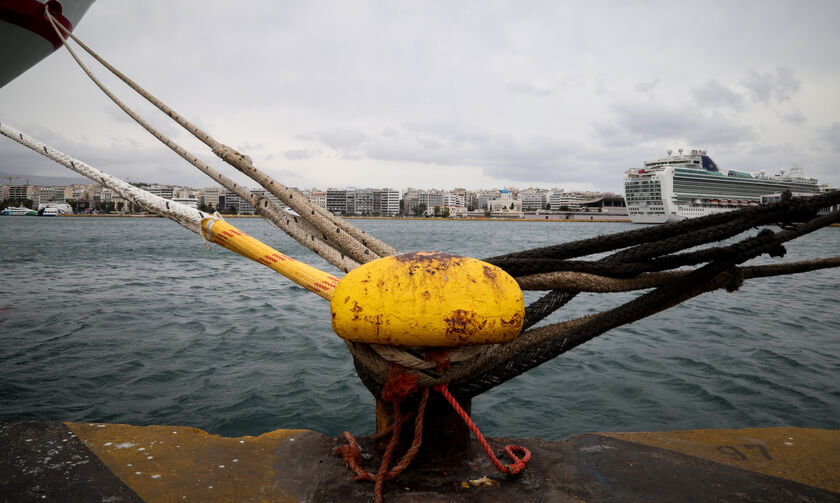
<point x="701" y="189"/>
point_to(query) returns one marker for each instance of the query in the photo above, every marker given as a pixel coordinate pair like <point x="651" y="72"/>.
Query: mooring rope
<point x="189" y="218"/>
<point x="289" y="224"/>
<point x="209" y="227"/>
<point x="348" y="239"/>
<point x="583" y="282"/>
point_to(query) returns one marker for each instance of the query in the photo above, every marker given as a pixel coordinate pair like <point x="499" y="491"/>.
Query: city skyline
<point x="469" y="95"/>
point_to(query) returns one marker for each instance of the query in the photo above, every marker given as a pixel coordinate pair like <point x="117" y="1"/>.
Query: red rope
<point x="398" y="387"/>
<point x="518" y="463"/>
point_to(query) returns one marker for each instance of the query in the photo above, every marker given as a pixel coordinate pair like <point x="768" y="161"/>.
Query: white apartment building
<point x="505" y="206"/>
<point x="164" y="191"/>
<point x="210" y="196"/>
<point x="386" y="202"/>
<point x="186" y="201"/>
<point x="533" y="199"/>
<point x="317" y="197"/>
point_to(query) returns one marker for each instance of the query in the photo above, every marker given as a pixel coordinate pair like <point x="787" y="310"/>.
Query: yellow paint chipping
<point x="165" y="463"/>
<point x="807" y="456"/>
<point x="427" y="299"/>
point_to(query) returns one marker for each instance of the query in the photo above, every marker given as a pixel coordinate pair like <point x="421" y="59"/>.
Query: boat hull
<point x="27" y="37"/>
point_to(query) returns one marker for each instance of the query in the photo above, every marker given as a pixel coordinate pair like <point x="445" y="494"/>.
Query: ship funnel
<point x="669" y="152"/>
<point x="680" y="150"/>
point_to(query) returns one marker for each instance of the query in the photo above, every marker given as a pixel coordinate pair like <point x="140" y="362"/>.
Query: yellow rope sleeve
<point x="228" y="236"/>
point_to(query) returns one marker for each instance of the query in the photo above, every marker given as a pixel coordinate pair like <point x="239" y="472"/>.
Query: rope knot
<point x="400" y="385"/>
<point x="439" y="356"/>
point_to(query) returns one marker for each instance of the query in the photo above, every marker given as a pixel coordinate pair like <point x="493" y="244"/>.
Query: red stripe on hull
<point x="29" y="15"/>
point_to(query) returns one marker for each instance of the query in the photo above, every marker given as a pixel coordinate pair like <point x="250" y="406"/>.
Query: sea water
<point x="131" y="320"/>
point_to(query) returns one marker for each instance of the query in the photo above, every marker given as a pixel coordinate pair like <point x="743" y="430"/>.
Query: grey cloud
<point x="653" y="122"/>
<point x="128" y="161"/>
<point x="342" y="139"/>
<point x="769" y="87"/>
<point x="527" y="159"/>
<point x="794" y="117"/>
<point x="296" y="155"/>
<point x="520" y="87"/>
<point x="713" y="94"/>
<point x="247" y="147"/>
<point x="831" y="135"/>
<point x="646" y="87"/>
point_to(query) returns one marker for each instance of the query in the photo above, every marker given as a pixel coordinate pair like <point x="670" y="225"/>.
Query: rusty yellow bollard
<point x="427" y="299"/>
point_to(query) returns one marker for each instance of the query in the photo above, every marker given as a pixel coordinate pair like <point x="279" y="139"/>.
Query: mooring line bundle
<point x="653" y="260"/>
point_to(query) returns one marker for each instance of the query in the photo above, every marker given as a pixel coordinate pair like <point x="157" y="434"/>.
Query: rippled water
<point x="131" y="320"/>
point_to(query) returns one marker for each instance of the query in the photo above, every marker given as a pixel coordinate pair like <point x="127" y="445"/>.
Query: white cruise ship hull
<point x="689" y="186"/>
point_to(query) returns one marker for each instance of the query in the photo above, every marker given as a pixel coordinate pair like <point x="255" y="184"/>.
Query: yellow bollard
<point x="427" y="299"/>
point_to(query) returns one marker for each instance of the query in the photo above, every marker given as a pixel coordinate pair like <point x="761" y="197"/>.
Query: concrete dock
<point x="87" y="462"/>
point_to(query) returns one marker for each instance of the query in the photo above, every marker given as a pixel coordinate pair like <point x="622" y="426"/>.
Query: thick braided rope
<point x="190" y="218"/>
<point x="228" y="236"/>
<point x="756" y="215"/>
<point x="355" y="245"/>
<point x="583" y="282"/>
<point x="262" y="205"/>
<point x="524" y="354"/>
<point x="545" y="305"/>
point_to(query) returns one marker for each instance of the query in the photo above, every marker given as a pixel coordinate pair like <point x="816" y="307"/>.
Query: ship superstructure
<point x="691" y="185"/>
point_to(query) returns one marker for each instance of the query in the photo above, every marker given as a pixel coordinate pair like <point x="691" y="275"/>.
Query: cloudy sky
<point x="443" y="94"/>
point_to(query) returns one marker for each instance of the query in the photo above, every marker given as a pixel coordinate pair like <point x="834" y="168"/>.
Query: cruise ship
<point x="691" y="185"/>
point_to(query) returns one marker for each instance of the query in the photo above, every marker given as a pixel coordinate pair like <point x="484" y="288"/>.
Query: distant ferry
<point x="691" y="185"/>
<point x="18" y="212"/>
<point x="49" y="211"/>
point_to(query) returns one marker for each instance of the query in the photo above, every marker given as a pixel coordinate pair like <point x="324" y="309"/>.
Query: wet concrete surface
<point x="116" y="463"/>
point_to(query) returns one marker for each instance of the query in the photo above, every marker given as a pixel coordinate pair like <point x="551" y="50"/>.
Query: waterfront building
<point x="363" y="202"/>
<point x="231" y="201"/>
<point x="21" y="192"/>
<point x="386" y="202"/>
<point x="164" y="191"/>
<point x="410" y="201"/>
<point x="431" y="198"/>
<point x="505" y="206"/>
<point x="210" y="196"/>
<point x="533" y="199"/>
<point x="485" y="196"/>
<point x="572" y="200"/>
<point x="52" y="194"/>
<point x="336" y="201"/>
<point x="187" y="201"/>
<point x="317" y="197"/>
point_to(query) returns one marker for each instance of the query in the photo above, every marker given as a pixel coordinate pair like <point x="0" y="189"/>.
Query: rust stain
<point x="356" y="309"/>
<point x="461" y="325"/>
<point x="490" y="273"/>
<point x="515" y="321"/>
<point x="376" y="321"/>
<point x="425" y="256"/>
